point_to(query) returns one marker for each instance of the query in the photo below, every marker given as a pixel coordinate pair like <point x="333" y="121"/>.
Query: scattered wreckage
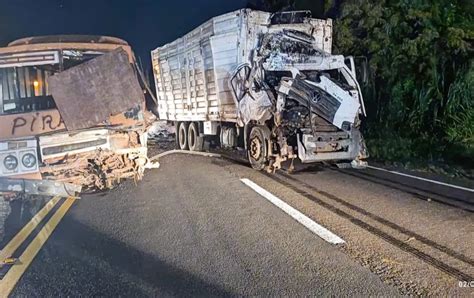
<point x="263" y="83"/>
<point x="72" y="115"/>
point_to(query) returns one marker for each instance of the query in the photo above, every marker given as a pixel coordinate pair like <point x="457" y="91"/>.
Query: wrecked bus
<point x="266" y="84"/>
<point x="71" y="115"/>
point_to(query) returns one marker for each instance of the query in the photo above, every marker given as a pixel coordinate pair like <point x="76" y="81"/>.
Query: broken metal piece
<point x="325" y="98"/>
<point x="87" y="94"/>
<point x="8" y="262"/>
<point x="359" y="164"/>
<point x="252" y="101"/>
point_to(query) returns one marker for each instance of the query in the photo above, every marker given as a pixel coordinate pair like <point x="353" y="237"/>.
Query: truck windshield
<point x="25" y="88"/>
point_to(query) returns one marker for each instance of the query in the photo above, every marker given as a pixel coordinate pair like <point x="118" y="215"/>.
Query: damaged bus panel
<point x="72" y="115"/>
<point x="266" y="84"/>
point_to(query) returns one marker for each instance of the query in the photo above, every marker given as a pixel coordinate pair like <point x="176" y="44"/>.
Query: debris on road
<point x="8" y="262"/>
<point x="160" y="131"/>
<point x="161" y="137"/>
<point x="207" y="154"/>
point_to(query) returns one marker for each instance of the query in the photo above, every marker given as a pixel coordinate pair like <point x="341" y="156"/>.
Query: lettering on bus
<point x="29" y="124"/>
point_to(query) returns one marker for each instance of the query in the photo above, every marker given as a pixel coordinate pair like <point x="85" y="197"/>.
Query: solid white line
<point x="298" y="216"/>
<point x="424" y="179"/>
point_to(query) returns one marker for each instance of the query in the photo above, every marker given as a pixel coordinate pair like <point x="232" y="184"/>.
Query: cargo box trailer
<point x="264" y="83"/>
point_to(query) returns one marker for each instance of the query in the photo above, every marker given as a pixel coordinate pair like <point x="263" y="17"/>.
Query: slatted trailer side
<point x="192" y="72"/>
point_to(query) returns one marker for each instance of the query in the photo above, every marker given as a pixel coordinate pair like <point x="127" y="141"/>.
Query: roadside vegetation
<point x="420" y="92"/>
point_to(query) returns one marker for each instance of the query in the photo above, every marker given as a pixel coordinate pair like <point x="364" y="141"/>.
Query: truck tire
<point x="257" y="148"/>
<point x="195" y="141"/>
<point x="182" y="136"/>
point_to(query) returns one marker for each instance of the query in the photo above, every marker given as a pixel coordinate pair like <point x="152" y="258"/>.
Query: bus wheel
<point x="195" y="141"/>
<point x="183" y="136"/>
<point x="257" y="147"/>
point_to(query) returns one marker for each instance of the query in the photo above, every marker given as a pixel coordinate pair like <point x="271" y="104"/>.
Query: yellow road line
<point x="14" y="274"/>
<point x="16" y="241"/>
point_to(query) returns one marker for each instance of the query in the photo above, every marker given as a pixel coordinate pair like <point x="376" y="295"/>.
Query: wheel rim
<point x="256" y="148"/>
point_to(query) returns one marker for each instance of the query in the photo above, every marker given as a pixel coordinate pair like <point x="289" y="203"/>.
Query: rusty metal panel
<point x="87" y="94"/>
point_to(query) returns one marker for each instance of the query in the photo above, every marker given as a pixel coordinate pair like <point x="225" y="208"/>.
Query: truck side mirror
<point x="359" y="68"/>
<point x="362" y="70"/>
<point x="349" y="61"/>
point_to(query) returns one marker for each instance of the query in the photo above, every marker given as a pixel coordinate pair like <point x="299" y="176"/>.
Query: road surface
<point x="192" y="227"/>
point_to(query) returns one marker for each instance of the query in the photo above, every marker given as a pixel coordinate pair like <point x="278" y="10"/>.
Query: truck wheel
<point x="195" y="141"/>
<point x="257" y="147"/>
<point x="183" y="136"/>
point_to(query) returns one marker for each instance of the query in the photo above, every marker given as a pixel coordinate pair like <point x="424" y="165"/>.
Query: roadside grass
<point x="421" y="154"/>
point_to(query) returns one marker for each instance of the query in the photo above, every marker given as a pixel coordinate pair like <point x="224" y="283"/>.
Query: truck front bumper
<point x="312" y="150"/>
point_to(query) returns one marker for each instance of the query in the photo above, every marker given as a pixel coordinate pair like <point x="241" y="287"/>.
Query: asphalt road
<point x="192" y="227"/>
<point x="189" y="231"/>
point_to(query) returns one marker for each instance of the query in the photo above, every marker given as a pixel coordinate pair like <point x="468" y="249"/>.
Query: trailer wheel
<point x="195" y="141"/>
<point x="257" y="148"/>
<point x="183" y="136"/>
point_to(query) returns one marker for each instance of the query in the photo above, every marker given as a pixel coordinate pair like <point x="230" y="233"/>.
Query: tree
<point x="420" y="55"/>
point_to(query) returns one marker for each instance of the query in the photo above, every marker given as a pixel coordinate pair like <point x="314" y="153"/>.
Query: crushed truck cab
<point x="72" y="115"/>
<point x="266" y="84"/>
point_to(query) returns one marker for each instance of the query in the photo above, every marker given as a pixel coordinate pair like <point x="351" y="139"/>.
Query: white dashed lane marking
<point x="314" y="227"/>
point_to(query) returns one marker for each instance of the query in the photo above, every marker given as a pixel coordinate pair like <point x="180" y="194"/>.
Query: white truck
<point x="263" y="83"/>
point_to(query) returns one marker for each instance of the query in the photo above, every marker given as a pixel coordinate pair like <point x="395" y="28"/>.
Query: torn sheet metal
<point x="325" y="98"/>
<point x="290" y="47"/>
<point x="87" y="94"/>
<point x="255" y="106"/>
<point x="96" y="159"/>
<point x="252" y="101"/>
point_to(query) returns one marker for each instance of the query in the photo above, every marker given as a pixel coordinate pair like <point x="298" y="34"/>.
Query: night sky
<point x="145" y="24"/>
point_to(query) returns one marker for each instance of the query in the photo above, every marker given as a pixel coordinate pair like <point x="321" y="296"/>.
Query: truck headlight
<point x="10" y="162"/>
<point x="28" y="160"/>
